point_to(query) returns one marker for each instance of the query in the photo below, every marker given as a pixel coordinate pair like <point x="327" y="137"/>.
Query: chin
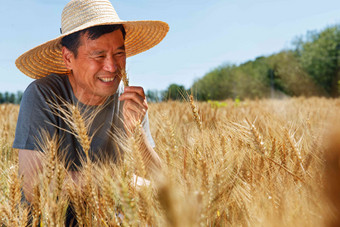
<point x="111" y="92"/>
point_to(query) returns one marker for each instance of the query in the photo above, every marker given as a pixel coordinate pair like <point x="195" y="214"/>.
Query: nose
<point x="110" y="64"/>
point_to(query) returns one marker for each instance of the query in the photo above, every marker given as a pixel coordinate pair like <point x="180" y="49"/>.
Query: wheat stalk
<point x="124" y="77"/>
<point x="81" y="131"/>
<point x="195" y="113"/>
<point x="213" y="180"/>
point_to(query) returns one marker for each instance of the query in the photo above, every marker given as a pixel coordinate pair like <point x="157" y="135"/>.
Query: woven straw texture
<point x="81" y="14"/>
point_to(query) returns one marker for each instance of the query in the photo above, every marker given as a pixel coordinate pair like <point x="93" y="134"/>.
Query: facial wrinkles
<point x="93" y="55"/>
<point x="109" y="64"/>
<point x="84" y="85"/>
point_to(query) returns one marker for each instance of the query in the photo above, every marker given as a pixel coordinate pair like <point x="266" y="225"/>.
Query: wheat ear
<point x="81" y="131"/>
<point x="14" y="196"/>
<point x="262" y="151"/>
<point x="195" y="112"/>
<point x="78" y="121"/>
<point x="124" y="77"/>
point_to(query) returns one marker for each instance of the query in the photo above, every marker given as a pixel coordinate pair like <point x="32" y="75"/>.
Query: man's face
<point x="96" y="69"/>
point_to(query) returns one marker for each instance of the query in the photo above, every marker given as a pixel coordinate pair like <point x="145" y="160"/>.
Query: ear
<point x="67" y="57"/>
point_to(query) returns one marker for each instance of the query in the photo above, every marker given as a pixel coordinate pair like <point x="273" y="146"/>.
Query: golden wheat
<point x="257" y="163"/>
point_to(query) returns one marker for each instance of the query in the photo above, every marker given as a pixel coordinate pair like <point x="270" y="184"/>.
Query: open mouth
<point x="107" y="79"/>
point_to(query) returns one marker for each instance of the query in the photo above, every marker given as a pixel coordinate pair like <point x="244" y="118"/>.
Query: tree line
<point x="310" y="68"/>
<point x="8" y="97"/>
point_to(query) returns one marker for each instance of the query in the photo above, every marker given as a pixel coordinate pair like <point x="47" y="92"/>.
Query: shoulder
<point x="50" y="86"/>
<point x="52" y="81"/>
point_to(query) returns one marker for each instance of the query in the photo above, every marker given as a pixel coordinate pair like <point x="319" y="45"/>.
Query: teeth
<point x="107" y="79"/>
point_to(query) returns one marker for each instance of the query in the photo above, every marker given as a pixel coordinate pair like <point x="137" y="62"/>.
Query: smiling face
<point x="96" y="69"/>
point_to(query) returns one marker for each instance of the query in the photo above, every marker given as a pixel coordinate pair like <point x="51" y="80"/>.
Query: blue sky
<point x="204" y="34"/>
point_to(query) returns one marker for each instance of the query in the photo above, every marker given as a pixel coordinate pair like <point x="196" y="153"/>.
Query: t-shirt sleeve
<point x="146" y="128"/>
<point x="34" y="117"/>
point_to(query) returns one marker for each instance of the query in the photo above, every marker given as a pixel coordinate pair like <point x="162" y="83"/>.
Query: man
<point x="83" y="66"/>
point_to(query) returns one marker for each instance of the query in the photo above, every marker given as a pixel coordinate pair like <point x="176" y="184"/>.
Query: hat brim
<point x="47" y="57"/>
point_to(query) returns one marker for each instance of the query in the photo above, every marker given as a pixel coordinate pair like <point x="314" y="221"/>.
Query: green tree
<point x="18" y="97"/>
<point x="248" y="80"/>
<point x="289" y="77"/>
<point x="319" y="56"/>
<point x="153" y="96"/>
<point x="11" y="98"/>
<point x="2" y="98"/>
<point x="311" y="69"/>
<point x="216" y="84"/>
<point x="6" y="97"/>
<point x="252" y="80"/>
<point x="174" y="92"/>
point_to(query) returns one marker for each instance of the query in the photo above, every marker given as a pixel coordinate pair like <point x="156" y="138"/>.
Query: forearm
<point x="31" y="164"/>
<point x="150" y="157"/>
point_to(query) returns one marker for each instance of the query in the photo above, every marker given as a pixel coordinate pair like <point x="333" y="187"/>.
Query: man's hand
<point x="135" y="106"/>
<point x="134" y="110"/>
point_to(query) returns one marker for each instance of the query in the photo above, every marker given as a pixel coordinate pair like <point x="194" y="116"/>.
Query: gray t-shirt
<point x="36" y="115"/>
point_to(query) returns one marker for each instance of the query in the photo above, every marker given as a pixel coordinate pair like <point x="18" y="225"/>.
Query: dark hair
<point x="72" y="41"/>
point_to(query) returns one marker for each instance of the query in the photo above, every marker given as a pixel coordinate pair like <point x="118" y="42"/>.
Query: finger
<point x="137" y="89"/>
<point x="131" y="118"/>
<point x="135" y="107"/>
<point x="126" y="96"/>
<point x="130" y="121"/>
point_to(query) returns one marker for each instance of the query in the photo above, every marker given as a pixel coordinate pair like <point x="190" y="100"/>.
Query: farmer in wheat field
<point x="84" y="66"/>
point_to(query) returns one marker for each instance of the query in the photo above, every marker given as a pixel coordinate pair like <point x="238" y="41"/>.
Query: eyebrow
<point x="98" y="52"/>
<point x="121" y="47"/>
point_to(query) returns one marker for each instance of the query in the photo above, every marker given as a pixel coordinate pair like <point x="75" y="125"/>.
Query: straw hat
<point x="81" y="14"/>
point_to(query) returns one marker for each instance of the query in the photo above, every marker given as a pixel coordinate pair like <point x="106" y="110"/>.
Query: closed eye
<point x="120" y="53"/>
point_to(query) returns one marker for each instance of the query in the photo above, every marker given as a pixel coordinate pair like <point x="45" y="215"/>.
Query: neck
<point x="90" y="100"/>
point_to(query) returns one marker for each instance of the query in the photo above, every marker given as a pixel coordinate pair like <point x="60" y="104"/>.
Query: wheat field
<point x="249" y="163"/>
